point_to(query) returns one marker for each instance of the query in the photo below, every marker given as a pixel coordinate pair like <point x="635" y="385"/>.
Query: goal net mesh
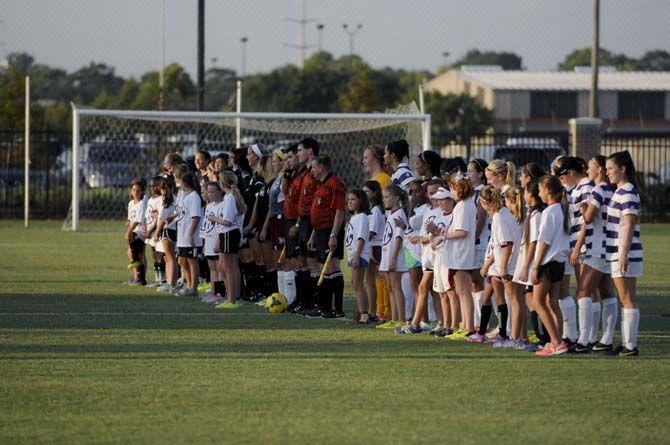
<point x="115" y="149"/>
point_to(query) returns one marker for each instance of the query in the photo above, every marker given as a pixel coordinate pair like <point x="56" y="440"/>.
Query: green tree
<point x="220" y="89"/>
<point x="654" y="60"/>
<point x="89" y="81"/>
<point x="582" y="57"/>
<point x="507" y="60"/>
<point x="361" y="95"/>
<point x="457" y="113"/>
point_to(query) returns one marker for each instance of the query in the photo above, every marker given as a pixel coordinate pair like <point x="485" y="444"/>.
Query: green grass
<point x="85" y="359"/>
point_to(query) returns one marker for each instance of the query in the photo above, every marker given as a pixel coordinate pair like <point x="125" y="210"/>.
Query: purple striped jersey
<point x="578" y="195"/>
<point x="402" y="176"/>
<point x="625" y="201"/>
<point x="600" y="199"/>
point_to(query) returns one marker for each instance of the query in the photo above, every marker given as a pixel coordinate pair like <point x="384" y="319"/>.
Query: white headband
<point x="256" y="150"/>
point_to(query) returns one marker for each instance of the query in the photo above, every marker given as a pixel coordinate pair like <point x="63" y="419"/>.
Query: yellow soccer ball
<point x="276" y="303"/>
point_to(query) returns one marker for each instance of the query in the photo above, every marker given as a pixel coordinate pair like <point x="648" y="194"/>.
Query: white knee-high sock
<point x="585" y="320"/>
<point x="595" y="323"/>
<point x="477" y="297"/>
<point x="569" y="312"/>
<point x="281" y="287"/>
<point x="409" y="295"/>
<point x="630" y="320"/>
<point x="289" y="286"/>
<point x="610" y="314"/>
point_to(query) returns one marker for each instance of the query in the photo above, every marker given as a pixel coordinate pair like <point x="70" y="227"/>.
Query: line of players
<point x="450" y="243"/>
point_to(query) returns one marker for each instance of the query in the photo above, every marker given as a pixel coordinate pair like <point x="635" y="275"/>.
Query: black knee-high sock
<point x="539" y="329"/>
<point x="261" y="280"/>
<point x="218" y="287"/>
<point x="502" y="310"/>
<point x="299" y="284"/>
<point x="337" y="284"/>
<point x="246" y="279"/>
<point x="141" y="274"/>
<point x="487" y="310"/>
<point x="271" y="281"/>
<point x="313" y="294"/>
<point x="325" y="295"/>
<point x="203" y="266"/>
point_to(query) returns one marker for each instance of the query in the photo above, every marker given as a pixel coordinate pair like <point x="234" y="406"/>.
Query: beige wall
<point x="512" y="105"/>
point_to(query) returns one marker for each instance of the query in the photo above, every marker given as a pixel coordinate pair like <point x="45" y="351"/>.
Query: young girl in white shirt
<point x="166" y="232"/>
<point x="393" y="258"/>
<point x="209" y="234"/>
<point x="551" y="253"/>
<point x="378" y="296"/>
<point x="229" y="227"/>
<point x="357" y="242"/>
<point x="460" y="248"/>
<point x="188" y="237"/>
<point x="135" y="232"/>
<point x="151" y="215"/>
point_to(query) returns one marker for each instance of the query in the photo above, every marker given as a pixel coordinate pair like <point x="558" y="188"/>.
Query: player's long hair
<point x="363" y="203"/>
<point x="515" y="194"/>
<point x="557" y="191"/>
<point x="228" y="183"/>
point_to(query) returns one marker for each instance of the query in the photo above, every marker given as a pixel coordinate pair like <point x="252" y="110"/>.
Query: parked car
<point x="521" y="151"/>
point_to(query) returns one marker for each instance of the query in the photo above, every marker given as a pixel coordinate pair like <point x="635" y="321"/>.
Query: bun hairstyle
<point x="563" y="164"/>
<point x="174" y="158"/>
<point x="480" y="166"/>
<point x="515" y="194"/>
<point x="505" y="168"/>
<point x="399" y="149"/>
<point x="377" y="152"/>
<point x="180" y="170"/>
<point x="433" y="160"/>
<point x="622" y="159"/>
<point x="240" y="159"/>
<point x="228" y="183"/>
<point x="490" y="196"/>
<point x="557" y="191"/>
<point x="533" y="170"/>
<point x="462" y="187"/>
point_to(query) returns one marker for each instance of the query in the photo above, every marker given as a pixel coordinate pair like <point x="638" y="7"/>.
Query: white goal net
<point x="111" y="147"/>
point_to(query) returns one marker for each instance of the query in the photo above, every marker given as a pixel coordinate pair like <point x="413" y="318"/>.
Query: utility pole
<point x="200" y="100"/>
<point x="243" y="70"/>
<point x="351" y="32"/>
<point x="319" y="29"/>
<point x="161" y="73"/>
<point x="303" y="21"/>
<point x="595" y="50"/>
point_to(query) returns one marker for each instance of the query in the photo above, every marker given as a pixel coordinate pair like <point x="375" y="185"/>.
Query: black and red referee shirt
<point x="330" y="195"/>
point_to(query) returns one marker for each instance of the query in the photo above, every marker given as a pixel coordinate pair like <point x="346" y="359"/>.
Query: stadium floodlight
<point x="111" y="147"/>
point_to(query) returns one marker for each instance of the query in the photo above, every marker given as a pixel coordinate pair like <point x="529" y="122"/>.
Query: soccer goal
<point x="111" y="147"/>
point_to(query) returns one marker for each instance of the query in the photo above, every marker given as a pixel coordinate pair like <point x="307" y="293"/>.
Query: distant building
<point x="545" y="100"/>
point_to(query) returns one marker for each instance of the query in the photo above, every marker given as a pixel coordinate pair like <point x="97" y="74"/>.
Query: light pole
<point x="319" y="29"/>
<point x="243" y="70"/>
<point x="445" y="55"/>
<point x="351" y="32"/>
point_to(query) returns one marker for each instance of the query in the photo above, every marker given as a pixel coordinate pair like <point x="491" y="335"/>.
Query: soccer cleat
<point x="495" y="339"/>
<point x="548" y="350"/>
<point x="625" y="352"/>
<point x="229" y="305"/>
<point x="314" y="313"/>
<point x="339" y="314"/>
<point x="425" y="327"/>
<point x="186" y="292"/>
<point x="561" y="349"/>
<point x="133" y="281"/>
<point x="580" y="349"/>
<point x="134" y="264"/>
<point x="533" y="338"/>
<point x="409" y="329"/>
<point x="476" y="338"/>
<point x="328" y="314"/>
<point x="509" y="343"/>
<point x="601" y="347"/>
<point x="364" y="318"/>
<point x="204" y="287"/>
<point x="164" y="288"/>
<point x="437" y="327"/>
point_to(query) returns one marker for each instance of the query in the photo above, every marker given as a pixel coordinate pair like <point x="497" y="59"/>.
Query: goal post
<point x="110" y="147"/>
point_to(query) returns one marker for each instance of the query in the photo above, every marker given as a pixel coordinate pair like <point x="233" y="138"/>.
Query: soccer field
<point x="86" y="359"/>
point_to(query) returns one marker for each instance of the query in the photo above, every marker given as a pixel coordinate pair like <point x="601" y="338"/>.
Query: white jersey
<point x="165" y="212"/>
<point x="551" y="232"/>
<point x="482" y="242"/>
<point x="188" y="208"/>
<point x="505" y="231"/>
<point x="358" y="227"/>
<point x="228" y="211"/>
<point x="413" y="229"/>
<point x="533" y="231"/>
<point x="151" y="216"/>
<point x="426" y="250"/>
<point x="377" y="221"/>
<point x="207" y="228"/>
<point x="580" y="194"/>
<point x="461" y="251"/>
<point x="402" y="176"/>
<point x="391" y="233"/>
<point x="625" y="201"/>
<point x="136" y="214"/>
<point x="600" y="199"/>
